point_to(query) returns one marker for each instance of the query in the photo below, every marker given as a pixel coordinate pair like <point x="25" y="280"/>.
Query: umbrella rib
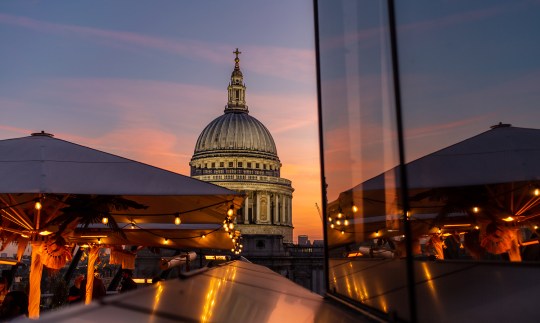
<point x="15" y="220"/>
<point x="21" y="216"/>
<point x="183" y="212"/>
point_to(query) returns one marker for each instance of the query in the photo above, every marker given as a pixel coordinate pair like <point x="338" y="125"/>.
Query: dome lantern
<point x="237" y="89"/>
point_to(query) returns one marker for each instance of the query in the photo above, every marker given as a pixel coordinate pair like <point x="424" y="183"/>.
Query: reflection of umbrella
<point x="42" y="176"/>
<point x="496" y="171"/>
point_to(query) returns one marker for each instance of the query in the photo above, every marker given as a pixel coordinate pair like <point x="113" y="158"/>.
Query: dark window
<point x="231" y="164"/>
<point x="213" y="165"/>
<point x="240" y="164"/>
<point x="221" y="164"/>
<point x="260" y="244"/>
<point x="257" y="165"/>
<point x="248" y="165"/>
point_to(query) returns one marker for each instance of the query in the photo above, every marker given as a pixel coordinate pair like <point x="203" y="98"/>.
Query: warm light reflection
<point x="157" y="297"/>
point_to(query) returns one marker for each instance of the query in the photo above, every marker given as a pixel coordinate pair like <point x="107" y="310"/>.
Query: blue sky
<point x="142" y="79"/>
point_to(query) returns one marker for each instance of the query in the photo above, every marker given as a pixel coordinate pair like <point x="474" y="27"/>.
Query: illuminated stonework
<point x="238" y="152"/>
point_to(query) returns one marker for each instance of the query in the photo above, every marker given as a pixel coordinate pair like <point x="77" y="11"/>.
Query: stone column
<point x="258" y="199"/>
<point x="283" y="202"/>
<point x="246" y="210"/>
<point x="289" y="217"/>
<point x="276" y="212"/>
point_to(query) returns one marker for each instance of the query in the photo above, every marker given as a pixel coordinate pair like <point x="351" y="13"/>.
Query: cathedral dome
<point x="236" y="131"/>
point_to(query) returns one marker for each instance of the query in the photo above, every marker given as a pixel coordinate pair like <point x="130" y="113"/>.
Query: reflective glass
<point x="470" y="87"/>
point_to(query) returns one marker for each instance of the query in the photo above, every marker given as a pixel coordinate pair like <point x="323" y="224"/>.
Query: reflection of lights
<point x="508" y="219"/>
<point x="157" y="297"/>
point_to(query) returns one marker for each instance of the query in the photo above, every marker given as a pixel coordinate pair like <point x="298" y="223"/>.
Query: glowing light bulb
<point x="230" y="212"/>
<point x="339" y="215"/>
<point x="346" y="222"/>
<point x="338" y="222"/>
<point x="166" y="241"/>
<point x="177" y="220"/>
<point x="38" y="205"/>
<point x="329" y="219"/>
<point x="537" y="192"/>
<point x="439" y="230"/>
<point x="536" y="227"/>
<point x="132" y="225"/>
<point x="332" y="225"/>
<point x="231" y="225"/>
<point x="342" y="232"/>
<point x="475" y="209"/>
<point x="226" y="228"/>
<point x="232" y="250"/>
<point x="105" y="220"/>
<point x="476" y="227"/>
<point x="99" y="240"/>
<point x="377" y="233"/>
<point x="354" y="208"/>
<point x="203" y="236"/>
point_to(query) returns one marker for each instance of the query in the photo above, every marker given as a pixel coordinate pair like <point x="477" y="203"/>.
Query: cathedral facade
<point x="238" y="152"/>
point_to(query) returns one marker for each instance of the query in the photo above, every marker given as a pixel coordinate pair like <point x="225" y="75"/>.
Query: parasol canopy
<point x="63" y="176"/>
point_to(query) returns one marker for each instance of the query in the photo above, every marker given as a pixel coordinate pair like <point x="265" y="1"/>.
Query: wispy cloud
<point x="294" y="64"/>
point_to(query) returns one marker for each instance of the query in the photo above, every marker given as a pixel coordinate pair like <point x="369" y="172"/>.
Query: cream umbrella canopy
<point x="45" y="183"/>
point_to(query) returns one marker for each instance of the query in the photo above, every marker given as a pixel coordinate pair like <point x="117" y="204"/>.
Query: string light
<point x="230" y="212"/>
<point x="342" y="232"/>
<point x="132" y="225"/>
<point x="329" y="219"/>
<point x="537" y="192"/>
<point x="177" y="219"/>
<point x="476" y="227"/>
<point x="99" y="240"/>
<point x="354" y="208"/>
<point x="203" y="236"/>
<point x="231" y="225"/>
<point x="105" y="220"/>
<point x="332" y="225"/>
<point x="38" y="206"/>
<point x="346" y="222"/>
<point x="377" y="233"/>
<point x="166" y="241"/>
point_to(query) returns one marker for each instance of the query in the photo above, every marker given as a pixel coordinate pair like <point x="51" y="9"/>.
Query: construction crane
<point x="318" y="210"/>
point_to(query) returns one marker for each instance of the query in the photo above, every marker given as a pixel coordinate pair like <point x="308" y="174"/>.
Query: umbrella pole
<point x="36" y="269"/>
<point x="92" y="257"/>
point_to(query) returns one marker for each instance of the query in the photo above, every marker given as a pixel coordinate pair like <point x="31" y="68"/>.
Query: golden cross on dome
<point x="237" y="52"/>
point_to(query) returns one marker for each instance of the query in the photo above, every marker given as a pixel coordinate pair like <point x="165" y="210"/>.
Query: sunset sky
<point x="142" y="79"/>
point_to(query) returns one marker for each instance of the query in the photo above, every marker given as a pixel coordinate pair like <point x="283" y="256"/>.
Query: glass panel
<point x="470" y="82"/>
<point x="363" y="217"/>
<point x="466" y="66"/>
